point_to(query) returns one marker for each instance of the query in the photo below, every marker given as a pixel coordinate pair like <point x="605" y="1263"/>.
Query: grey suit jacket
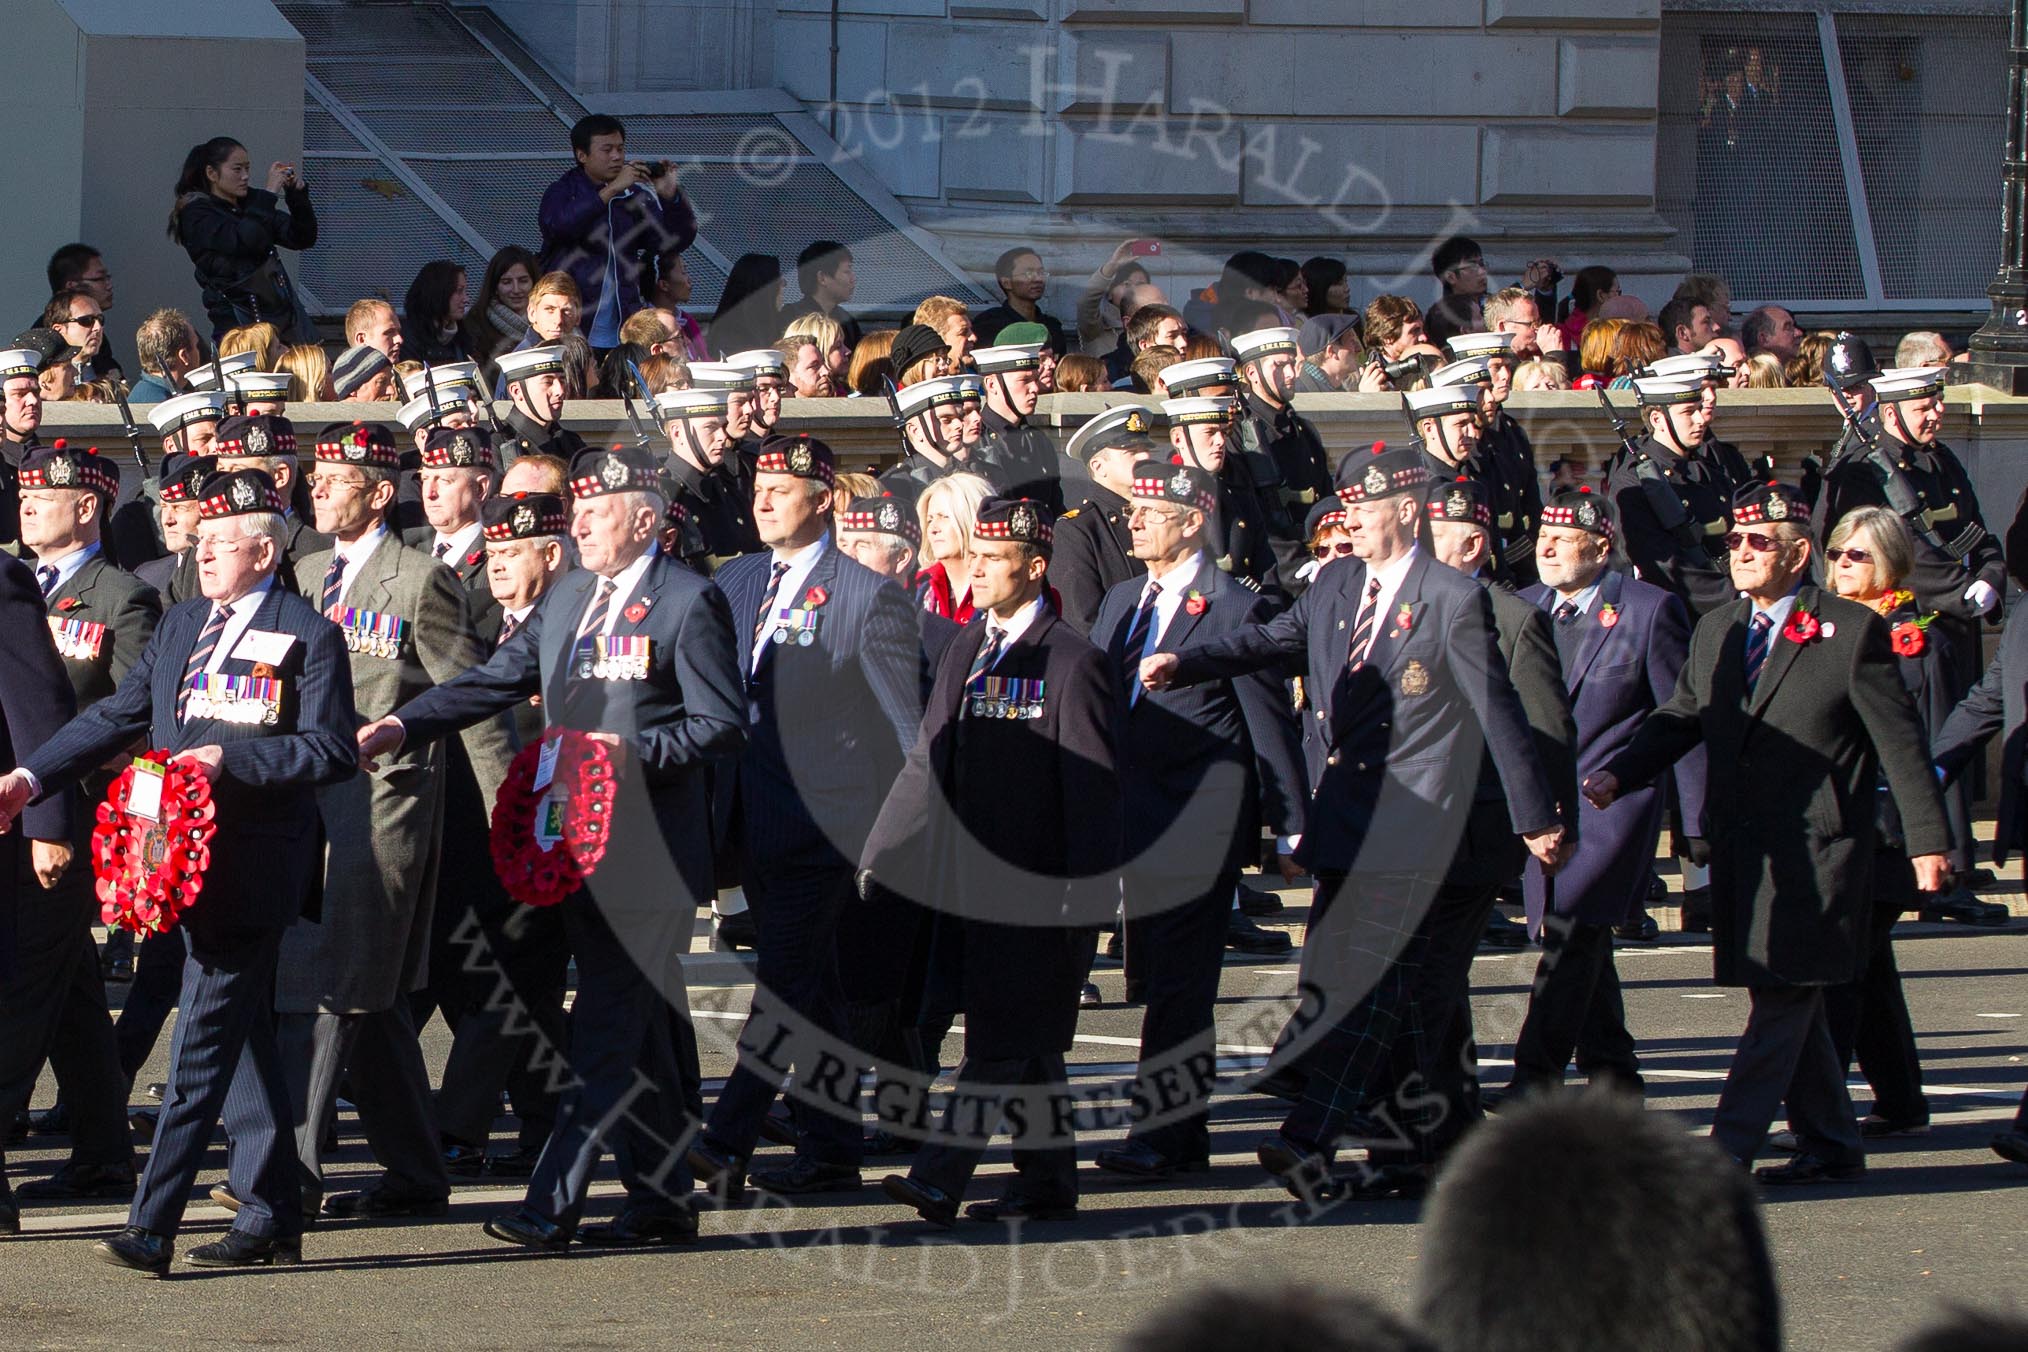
<point x="384" y="831"/>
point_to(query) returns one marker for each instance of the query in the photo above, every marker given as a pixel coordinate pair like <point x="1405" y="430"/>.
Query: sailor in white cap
<point x="1279" y="447"/>
<point x="1503" y="463"/>
<point x="261" y="393"/>
<point x="189" y="422"/>
<point x="1959" y="571"/>
<point x="719" y="515"/>
<point x="534" y="379"/>
<point x="1201" y="435"/>
<point x="19" y="369"/>
<point x="1723" y="457"/>
<point x="1200" y="376"/>
<point x="217" y="374"/>
<point x="1023" y="454"/>
<point x="1674" y="505"/>
<point x="932" y="417"/>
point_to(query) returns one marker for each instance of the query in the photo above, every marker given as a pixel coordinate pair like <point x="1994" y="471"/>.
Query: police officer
<point x="1200" y="431"/>
<point x="1023" y="454"/>
<point x="1674" y="506"/>
<point x="720" y="522"/>
<point x="1227" y="750"/>
<point x="1517" y="502"/>
<point x="535" y="389"/>
<point x="1094" y="547"/>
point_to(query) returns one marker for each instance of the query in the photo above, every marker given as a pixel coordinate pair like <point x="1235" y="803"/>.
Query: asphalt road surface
<point x="1939" y="1218"/>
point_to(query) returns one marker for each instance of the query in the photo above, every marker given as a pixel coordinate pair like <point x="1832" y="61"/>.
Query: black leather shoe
<point x="1959" y="906"/>
<point x="1808" y="1169"/>
<point x="83" y="1182"/>
<point x="1304" y="1172"/>
<point x="1253" y="901"/>
<point x="137" y="1249"/>
<point x="885" y="1142"/>
<point x="931" y="1203"/>
<point x="53" y="1121"/>
<point x="640" y="1227"/>
<point x="718" y="1173"/>
<point x="1696" y="906"/>
<point x="10" y="1211"/>
<point x="222" y="1195"/>
<point x="806" y="1177"/>
<point x="514" y="1164"/>
<point x="1243" y="936"/>
<point x="1504" y="933"/>
<point x="1021" y="1209"/>
<point x="464" y="1161"/>
<point x="779" y="1128"/>
<point x="1641" y="931"/>
<point x="1089" y="997"/>
<point x="1877" y="1128"/>
<point x="734" y="932"/>
<point x="2012" y="1145"/>
<point x="382" y="1203"/>
<point x="239" y="1250"/>
<point x="529" y="1230"/>
<point x="1138" y="1159"/>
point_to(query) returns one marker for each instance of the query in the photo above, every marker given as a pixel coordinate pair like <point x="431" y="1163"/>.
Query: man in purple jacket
<point x="604" y="221"/>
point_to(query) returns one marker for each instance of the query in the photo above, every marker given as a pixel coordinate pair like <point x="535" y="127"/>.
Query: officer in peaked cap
<point x="1674" y="506"/>
<point x="1094" y="548"/>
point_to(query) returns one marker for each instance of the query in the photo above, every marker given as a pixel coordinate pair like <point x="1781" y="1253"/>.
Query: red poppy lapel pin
<point x="1194" y="603"/>
<point x="68" y="603"/>
<point x="815" y="597"/>
<point x="1608" y="615"/>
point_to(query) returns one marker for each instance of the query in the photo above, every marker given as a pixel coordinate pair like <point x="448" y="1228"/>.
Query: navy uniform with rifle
<point x="527" y="430"/>
<point x="1201" y="436"/>
<point x="1959" y="571"/>
<point x="1450" y="420"/>
<point x="1673" y="505"/>
<point x="1277" y="448"/>
<point x="1517" y="501"/>
<point x="930" y="416"/>
<point x="741" y="387"/>
<point x="1023" y="456"/>
<point x="720" y="521"/>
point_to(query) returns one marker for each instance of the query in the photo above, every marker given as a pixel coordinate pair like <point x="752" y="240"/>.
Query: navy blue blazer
<point x="264" y="858"/>
<point x="1204" y="763"/>
<point x="1617" y="675"/>
<point x="36" y="699"/>
<point x="1403" y="733"/>
<point x="688" y="712"/>
<point x="830" y="722"/>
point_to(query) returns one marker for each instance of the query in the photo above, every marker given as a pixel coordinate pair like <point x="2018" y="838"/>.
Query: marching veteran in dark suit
<point x="459" y="472"/>
<point x="1621" y="644"/>
<point x="38" y="947"/>
<point x="665" y="720"/>
<point x="342" y="992"/>
<point x="1405" y="680"/>
<point x="1794" y="695"/>
<point x="833" y="680"/>
<point x="1007" y="817"/>
<point x="1201" y="767"/>
<point x="101" y="619"/>
<point x="205" y="689"/>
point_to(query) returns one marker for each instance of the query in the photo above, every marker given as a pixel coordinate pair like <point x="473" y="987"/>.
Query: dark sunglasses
<point x="1341" y="550"/>
<point x="89" y="321"/>
<point x="1766" y="544"/>
<point x="1856" y="555"/>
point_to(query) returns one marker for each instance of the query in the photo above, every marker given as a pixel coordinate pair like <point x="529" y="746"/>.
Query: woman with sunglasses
<point x="1869" y="552"/>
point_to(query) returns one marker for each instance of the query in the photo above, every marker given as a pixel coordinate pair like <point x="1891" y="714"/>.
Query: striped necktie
<point x="1757" y="642"/>
<point x="595" y="615"/>
<point x="200" y="656"/>
<point x="508" y="624"/>
<point x="767" y="605"/>
<point x="46" y="575"/>
<point x="334" y="583"/>
<point x="989" y="653"/>
<point x="1362" y="630"/>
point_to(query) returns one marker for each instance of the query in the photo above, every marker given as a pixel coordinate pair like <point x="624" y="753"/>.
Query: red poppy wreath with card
<point x="554" y="817"/>
<point x="152" y="843"/>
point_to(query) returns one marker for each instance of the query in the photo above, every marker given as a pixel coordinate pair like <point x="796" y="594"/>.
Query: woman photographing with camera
<point x="232" y="230"/>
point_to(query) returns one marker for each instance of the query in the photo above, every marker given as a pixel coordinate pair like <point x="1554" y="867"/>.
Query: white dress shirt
<point x="1014" y="628"/>
<point x="1175" y="586"/>
<point x="625" y="584"/>
<point x="789" y="595"/>
<point x="354" y="557"/>
<point x="461" y="544"/>
<point x="1391" y="577"/>
<point x="239" y="618"/>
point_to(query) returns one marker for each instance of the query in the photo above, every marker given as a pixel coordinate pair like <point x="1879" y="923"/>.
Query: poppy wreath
<point x="535" y="876"/>
<point x="150" y="873"/>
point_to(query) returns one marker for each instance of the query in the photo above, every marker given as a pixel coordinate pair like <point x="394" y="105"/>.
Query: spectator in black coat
<point x="231" y="231"/>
